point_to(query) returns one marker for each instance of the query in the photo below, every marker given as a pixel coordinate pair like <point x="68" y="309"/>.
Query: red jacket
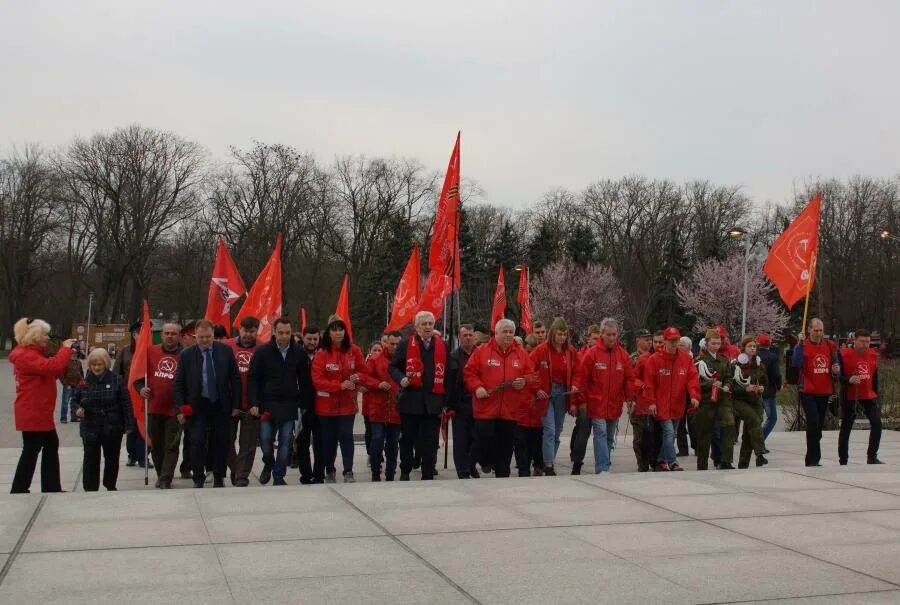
<point x="243" y="356"/>
<point x="161" y="380"/>
<point x="489" y="367"/>
<point x="864" y="366"/>
<point x="541" y="359"/>
<point x="329" y="369"/>
<point x="382" y="405"/>
<point x="36" y="386"/>
<point x="606" y="379"/>
<point x="668" y="379"/>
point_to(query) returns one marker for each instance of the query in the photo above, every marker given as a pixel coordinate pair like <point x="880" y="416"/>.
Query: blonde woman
<point x="102" y="403"/>
<point x="36" y="376"/>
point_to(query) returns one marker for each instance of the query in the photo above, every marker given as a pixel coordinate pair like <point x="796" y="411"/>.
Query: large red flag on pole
<point x="524" y="300"/>
<point x="443" y="256"/>
<point x="264" y="299"/>
<point x="498" y="311"/>
<point x="792" y="260"/>
<point x="406" y="298"/>
<point x="138" y="370"/>
<point x="225" y="287"/>
<point x="343" y="305"/>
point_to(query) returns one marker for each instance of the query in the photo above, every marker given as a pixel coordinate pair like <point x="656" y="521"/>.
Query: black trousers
<point x="134" y="445"/>
<point x="814" y="406"/>
<point x="165" y="436"/>
<point x="496" y="440"/>
<point x="45" y="443"/>
<point x="419" y="432"/>
<point x="210" y="422"/>
<point x="110" y="445"/>
<point x="464" y="444"/>
<point x="310" y="434"/>
<point x="186" y="464"/>
<point x="529" y="449"/>
<point x="686" y="430"/>
<point x="581" y="434"/>
<point x="848" y="417"/>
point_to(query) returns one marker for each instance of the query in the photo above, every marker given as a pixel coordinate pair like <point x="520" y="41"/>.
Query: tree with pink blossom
<point x="714" y="295"/>
<point x="581" y="295"/>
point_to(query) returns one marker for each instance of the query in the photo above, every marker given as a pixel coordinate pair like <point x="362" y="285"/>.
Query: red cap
<point x="764" y="340"/>
<point x="671" y="333"/>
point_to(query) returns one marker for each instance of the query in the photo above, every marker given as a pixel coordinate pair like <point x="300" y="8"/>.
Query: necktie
<point x="210" y="371"/>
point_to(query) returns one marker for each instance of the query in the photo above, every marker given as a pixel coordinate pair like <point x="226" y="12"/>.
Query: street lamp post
<point x="759" y="255"/>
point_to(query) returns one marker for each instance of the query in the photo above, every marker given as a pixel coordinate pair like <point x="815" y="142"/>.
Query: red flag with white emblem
<point x="264" y="299"/>
<point x="792" y="260"/>
<point x="225" y="287"/>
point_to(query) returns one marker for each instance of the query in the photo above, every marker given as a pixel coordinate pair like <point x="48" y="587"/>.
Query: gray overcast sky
<point x="759" y="94"/>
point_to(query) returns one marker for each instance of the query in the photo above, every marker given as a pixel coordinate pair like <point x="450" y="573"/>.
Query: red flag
<point x="302" y="319"/>
<point x="792" y="259"/>
<point x="524" y="300"/>
<point x="343" y="305"/>
<point x="138" y="370"/>
<point x="437" y="287"/>
<point x="442" y="254"/>
<point x="498" y="311"/>
<point x="264" y="299"/>
<point x="406" y="298"/>
<point x="225" y="287"/>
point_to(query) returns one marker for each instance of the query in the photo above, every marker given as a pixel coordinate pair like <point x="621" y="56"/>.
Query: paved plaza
<point x="780" y="534"/>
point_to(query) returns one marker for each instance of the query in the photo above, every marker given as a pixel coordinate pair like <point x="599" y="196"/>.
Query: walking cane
<point x="146" y="447"/>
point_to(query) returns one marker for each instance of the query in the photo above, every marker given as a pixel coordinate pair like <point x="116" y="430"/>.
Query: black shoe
<point x="165" y="485"/>
<point x="389" y="476"/>
<point x="844" y="462"/>
<point x="475" y="474"/>
<point x="305" y="481"/>
<point x="576" y="468"/>
<point x="278" y="482"/>
<point x="725" y="466"/>
<point x="219" y="482"/>
<point x="766" y="451"/>
<point x="643" y="468"/>
<point x="131" y="461"/>
<point x="761" y="460"/>
<point x="295" y="460"/>
<point x="549" y="471"/>
<point x="463" y="476"/>
<point x="874" y="461"/>
<point x="198" y="484"/>
<point x="376" y="476"/>
<point x="266" y="475"/>
<point x="404" y="476"/>
<point x="242" y="483"/>
<point x="64" y="421"/>
<point x="317" y="481"/>
<point x="487" y="469"/>
<point x="816" y="464"/>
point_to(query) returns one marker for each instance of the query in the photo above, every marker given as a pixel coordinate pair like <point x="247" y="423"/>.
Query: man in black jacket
<point x="311" y="470"/>
<point x="279" y="384"/>
<point x="419" y="366"/>
<point x="769" y="357"/>
<point x="208" y="380"/>
<point x="459" y="400"/>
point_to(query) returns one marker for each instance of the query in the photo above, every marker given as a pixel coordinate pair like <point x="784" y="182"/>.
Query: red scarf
<point x="414" y="365"/>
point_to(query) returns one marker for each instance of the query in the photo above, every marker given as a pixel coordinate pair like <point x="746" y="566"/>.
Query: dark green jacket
<point x="744" y="375"/>
<point x="718" y="364"/>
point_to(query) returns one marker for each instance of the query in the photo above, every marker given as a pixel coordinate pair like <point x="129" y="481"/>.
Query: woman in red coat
<point x="35" y="402"/>
<point x="337" y="372"/>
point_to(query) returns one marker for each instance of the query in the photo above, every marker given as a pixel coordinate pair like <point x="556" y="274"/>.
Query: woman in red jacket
<point x="35" y="402"/>
<point x="501" y="376"/>
<point x="337" y="375"/>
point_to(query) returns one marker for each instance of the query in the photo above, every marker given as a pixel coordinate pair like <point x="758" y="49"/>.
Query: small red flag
<point x="498" y="311"/>
<point x="524" y="301"/>
<point x="302" y="319"/>
<point x="343" y="305"/>
<point x="264" y="300"/>
<point x="406" y="298"/>
<point x="138" y="370"/>
<point x="225" y="287"/>
<point x="792" y="259"/>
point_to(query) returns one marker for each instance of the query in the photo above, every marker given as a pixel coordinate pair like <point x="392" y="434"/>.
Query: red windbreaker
<point x="329" y="369"/>
<point x="668" y="379"/>
<point x="382" y="405"/>
<point x="36" y="376"/>
<point x="490" y="367"/>
<point x="605" y="379"/>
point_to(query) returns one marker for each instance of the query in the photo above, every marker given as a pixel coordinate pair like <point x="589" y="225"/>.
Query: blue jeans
<point x="64" y="399"/>
<point x="667" y="452"/>
<point x="337" y="429"/>
<point x="385" y="443"/>
<point x="771" y="415"/>
<point x="266" y="444"/>
<point x="604" y="437"/>
<point x="553" y="423"/>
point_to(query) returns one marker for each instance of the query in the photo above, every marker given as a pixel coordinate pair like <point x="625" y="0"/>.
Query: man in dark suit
<point x="208" y="380"/>
<point x="419" y="365"/>
<point x="279" y="383"/>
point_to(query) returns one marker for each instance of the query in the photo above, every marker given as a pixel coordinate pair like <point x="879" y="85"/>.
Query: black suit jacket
<point x="189" y="377"/>
<point x="280" y="385"/>
<point x="416" y="400"/>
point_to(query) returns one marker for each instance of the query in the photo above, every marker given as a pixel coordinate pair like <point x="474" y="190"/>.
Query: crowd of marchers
<point x="213" y="401"/>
